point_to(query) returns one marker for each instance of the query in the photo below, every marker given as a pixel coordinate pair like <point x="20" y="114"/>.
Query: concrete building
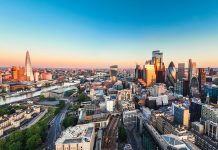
<point x="130" y="117"/>
<point x="181" y="71"/>
<point x="150" y="75"/>
<point x="174" y="143"/>
<point x="110" y="103"/>
<point x="181" y="114"/>
<point x="158" y="89"/>
<point x="15" y="120"/>
<point x="79" y="137"/>
<point x="209" y="117"/>
<point x="125" y="94"/>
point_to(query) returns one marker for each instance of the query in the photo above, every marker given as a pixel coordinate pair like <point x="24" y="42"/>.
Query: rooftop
<point x="77" y="134"/>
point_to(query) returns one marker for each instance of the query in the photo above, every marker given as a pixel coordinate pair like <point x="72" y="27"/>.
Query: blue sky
<point x="98" y="33"/>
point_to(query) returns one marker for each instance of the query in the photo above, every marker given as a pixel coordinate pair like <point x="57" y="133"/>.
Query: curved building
<point x="171" y="75"/>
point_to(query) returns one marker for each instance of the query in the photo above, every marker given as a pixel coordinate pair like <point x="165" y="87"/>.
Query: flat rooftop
<point x="77" y="134"/>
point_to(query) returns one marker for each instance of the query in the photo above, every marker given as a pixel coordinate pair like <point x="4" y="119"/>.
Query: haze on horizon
<point x="91" y="34"/>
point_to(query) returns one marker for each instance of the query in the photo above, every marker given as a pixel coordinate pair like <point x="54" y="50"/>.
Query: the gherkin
<point x="171" y="75"/>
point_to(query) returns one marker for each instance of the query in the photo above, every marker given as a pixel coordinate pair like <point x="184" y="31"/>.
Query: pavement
<point x="56" y="128"/>
<point x="133" y="138"/>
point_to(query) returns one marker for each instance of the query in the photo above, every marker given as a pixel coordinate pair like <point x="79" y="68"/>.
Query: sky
<point x="100" y="33"/>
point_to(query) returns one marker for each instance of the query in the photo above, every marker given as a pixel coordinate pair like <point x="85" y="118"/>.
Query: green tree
<point x="15" y="146"/>
<point x="33" y="142"/>
<point x="2" y="144"/>
<point x="82" y="98"/>
<point x="122" y="134"/>
<point x="69" y="121"/>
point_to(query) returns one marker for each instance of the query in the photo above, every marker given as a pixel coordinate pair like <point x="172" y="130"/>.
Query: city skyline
<point x="95" y="34"/>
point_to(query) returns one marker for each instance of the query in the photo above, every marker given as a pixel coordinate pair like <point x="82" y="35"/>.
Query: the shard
<point x="28" y="68"/>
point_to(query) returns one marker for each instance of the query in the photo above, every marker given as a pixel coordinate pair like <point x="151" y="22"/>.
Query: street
<point x="55" y="127"/>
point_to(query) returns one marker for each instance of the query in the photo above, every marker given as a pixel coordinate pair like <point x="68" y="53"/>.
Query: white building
<point x="110" y="103"/>
<point x="158" y="89"/>
<point x="130" y="117"/>
<point x="79" y="137"/>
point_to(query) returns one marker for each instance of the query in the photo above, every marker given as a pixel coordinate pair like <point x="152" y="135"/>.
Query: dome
<point x="171" y="74"/>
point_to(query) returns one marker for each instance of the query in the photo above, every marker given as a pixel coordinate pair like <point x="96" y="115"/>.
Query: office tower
<point x="28" y="68"/>
<point x="181" y="114"/>
<point x="194" y="87"/>
<point x="189" y="70"/>
<point x="157" y="54"/>
<point x="181" y="71"/>
<point x="209" y="117"/>
<point x="150" y="75"/>
<point x="194" y="69"/>
<point x="195" y="111"/>
<point x="201" y="78"/>
<point x="171" y="75"/>
<point x="185" y="84"/>
<point x="160" y="76"/>
<point x="157" y="60"/>
<point x="113" y="72"/>
<point x="36" y="76"/>
<point x="21" y="72"/>
<point x="0" y="77"/>
<point x="138" y="72"/>
<point x="178" y="88"/>
<point x="14" y="71"/>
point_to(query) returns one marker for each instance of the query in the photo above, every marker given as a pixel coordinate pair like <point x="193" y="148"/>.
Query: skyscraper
<point x="201" y="78"/>
<point x="189" y="70"/>
<point x="0" y="77"/>
<point x="14" y="73"/>
<point x="157" y="54"/>
<point x="113" y="72"/>
<point x="171" y="75"/>
<point x="28" y="68"/>
<point x="157" y="61"/>
<point x="150" y="75"/>
<point x="181" y="71"/>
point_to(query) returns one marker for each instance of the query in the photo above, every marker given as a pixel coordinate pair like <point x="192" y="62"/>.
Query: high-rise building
<point x="181" y="114"/>
<point x="201" y="78"/>
<point x="21" y="72"/>
<point x="190" y="70"/>
<point x="113" y="72"/>
<point x="138" y="72"/>
<point x="194" y="69"/>
<point x="195" y="111"/>
<point x="185" y="85"/>
<point x="181" y="71"/>
<point x="209" y="117"/>
<point x="157" y="54"/>
<point x="0" y="77"/>
<point x="150" y="75"/>
<point x="157" y="61"/>
<point x="14" y="71"/>
<point x="28" y="68"/>
<point x="36" y="76"/>
<point x="171" y="75"/>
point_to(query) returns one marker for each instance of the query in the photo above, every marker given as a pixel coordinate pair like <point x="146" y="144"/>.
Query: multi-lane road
<point x="56" y="127"/>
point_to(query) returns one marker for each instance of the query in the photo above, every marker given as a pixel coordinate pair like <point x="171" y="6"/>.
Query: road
<point x="55" y="127"/>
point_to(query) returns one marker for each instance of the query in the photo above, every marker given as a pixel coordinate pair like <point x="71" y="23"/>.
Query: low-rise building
<point x="79" y="137"/>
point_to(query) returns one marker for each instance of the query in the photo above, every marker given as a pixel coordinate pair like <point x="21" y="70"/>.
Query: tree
<point x="122" y="134"/>
<point x="2" y="144"/>
<point x="15" y="146"/>
<point x="33" y="142"/>
<point x="69" y="121"/>
<point x="41" y="97"/>
<point x="82" y="98"/>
